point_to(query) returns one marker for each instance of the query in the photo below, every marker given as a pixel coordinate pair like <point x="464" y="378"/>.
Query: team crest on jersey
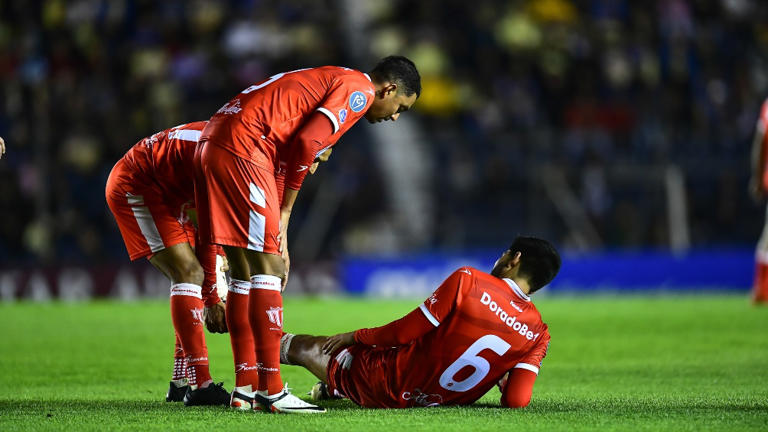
<point x="357" y="101"/>
<point x="342" y="115"/>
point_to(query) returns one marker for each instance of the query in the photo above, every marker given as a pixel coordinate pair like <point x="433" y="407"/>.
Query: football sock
<point x="285" y="345"/>
<point x="266" y="318"/>
<point x="240" y="335"/>
<point x="179" y="364"/>
<point x="760" y="288"/>
<point x="187" y="316"/>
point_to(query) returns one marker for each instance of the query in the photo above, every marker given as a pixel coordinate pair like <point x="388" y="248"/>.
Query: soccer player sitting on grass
<point x="150" y="191"/>
<point x="475" y="331"/>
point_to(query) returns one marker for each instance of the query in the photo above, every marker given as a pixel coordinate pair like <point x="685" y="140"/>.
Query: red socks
<point x="187" y="316"/>
<point x="240" y="336"/>
<point x="760" y="286"/>
<point x="266" y="318"/>
<point x="179" y="361"/>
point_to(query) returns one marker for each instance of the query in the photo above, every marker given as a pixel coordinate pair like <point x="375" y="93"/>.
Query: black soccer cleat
<point x="175" y="394"/>
<point x="214" y="394"/>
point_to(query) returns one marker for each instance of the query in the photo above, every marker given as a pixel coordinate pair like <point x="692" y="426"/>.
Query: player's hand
<point x="287" y="263"/>
<point x="338" y="341"/>
<point x="215" y="318"/>
<point x="2" y="147"/>
<point x="503" y="382"/>
<point x="224" y="267"/>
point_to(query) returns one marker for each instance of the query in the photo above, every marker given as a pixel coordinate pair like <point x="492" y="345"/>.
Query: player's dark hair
<point x="400" y="70"/>
<point x="539" y="261"/>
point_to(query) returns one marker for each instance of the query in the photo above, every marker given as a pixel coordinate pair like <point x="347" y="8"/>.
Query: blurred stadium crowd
<point x="511" y="89"/>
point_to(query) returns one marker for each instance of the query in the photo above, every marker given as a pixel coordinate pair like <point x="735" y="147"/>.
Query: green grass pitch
<point x="615" y="363"/>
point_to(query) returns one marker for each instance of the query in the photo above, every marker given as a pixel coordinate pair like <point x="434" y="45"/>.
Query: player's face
<point x="388" y="104"/>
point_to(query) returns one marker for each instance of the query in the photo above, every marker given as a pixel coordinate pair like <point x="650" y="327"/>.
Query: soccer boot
<point x="214" y="394"/>
<point x="285" y="403"/>
<point x="175" y="393"/>
<point x="241" y="400"/>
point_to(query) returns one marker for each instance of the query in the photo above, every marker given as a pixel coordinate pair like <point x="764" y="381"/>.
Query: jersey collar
<point x="368" y="76"/>
<point x="516" y="289"/>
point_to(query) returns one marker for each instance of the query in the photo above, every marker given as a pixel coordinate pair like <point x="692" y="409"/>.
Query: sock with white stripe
<point x="240" y="335"/>
<point x="187" y="316"/>
<point x="266" y="313"/>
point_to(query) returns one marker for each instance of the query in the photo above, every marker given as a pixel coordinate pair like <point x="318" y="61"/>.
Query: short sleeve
<point x="447" y="296"/>
<point x="347" y="100"/>
<point x="532" y="360"/>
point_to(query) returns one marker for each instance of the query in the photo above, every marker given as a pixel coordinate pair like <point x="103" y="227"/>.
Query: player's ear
<point x="515" y="261"/>
<point x="389" y="89"/>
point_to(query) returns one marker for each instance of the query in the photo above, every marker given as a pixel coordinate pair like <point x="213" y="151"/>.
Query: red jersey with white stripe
<point x="164" y="160"/>
<point x="484" y="327"/>
<point x="762" y="129"/>
<point x="259" y="124"/>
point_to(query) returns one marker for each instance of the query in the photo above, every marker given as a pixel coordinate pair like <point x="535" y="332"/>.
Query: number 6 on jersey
<point x="470" y="358"/>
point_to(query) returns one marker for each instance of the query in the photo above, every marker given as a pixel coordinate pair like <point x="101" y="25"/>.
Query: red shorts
<point x="147" y="222"/>
<point x="367" y="382"/>
<point x="239" y="198"/>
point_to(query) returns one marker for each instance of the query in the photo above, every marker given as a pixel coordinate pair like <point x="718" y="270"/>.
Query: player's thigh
<point x="147" y="224"/>
<point x="242" y="201"/>
<point x="362" y="374"/>
<point x="179" y="264"/>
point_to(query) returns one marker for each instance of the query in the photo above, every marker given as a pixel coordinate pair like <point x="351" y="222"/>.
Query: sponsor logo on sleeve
<point x="342" y="115"/>
<point x="357" y="101"/>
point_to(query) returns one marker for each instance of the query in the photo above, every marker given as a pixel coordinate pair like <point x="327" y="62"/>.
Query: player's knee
<point x="189" y="271"/>
<point x="262" y="263"/>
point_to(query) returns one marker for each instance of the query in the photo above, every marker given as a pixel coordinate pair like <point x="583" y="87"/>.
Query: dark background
<point x="589" y="89"/>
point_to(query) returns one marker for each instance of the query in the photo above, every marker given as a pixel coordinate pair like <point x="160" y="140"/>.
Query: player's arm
<point x="215" y="320"/>
<point x="517" y="388"/>
<point x="517" y="384"/>
<point x="416" y="324"/>
<point x="306" y="146"/>
<point x="2" y="147"/>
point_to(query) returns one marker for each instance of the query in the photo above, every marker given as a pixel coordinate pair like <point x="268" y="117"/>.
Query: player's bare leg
<point x="180" y="265"/>
<point x="306" y="351"/>
<point x="265" y="317"/>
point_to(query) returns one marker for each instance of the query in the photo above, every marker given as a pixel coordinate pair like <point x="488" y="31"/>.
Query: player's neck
<point x="522" y="284"/>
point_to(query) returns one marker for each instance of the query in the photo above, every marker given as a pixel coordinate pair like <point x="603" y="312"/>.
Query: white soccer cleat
<point x="285" y="403"/>
<point x="241" y="399"/>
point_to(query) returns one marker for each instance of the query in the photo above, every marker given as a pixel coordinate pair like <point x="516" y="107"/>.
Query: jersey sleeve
<point x="532" y="359"/>
<point x="447" y="296"/>
<point x="518" y="389"/>
<point x="399" y="332"/>
<point x="308" y="143"/>
<point x="347" y="100"/>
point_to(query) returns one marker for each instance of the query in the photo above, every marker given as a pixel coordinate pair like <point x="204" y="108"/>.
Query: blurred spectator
<point x="509" y="86"/>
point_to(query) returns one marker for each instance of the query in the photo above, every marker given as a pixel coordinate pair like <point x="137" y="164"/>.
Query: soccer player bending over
<point x="149" y="191"/>
<point x="278" y="127"/>
<point x="475" y="331"/>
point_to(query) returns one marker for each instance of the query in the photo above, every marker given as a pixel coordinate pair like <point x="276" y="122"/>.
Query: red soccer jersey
<point x="484" y="327"/>
<point x="164" y="161"/>
<point x="260" y="123"/>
